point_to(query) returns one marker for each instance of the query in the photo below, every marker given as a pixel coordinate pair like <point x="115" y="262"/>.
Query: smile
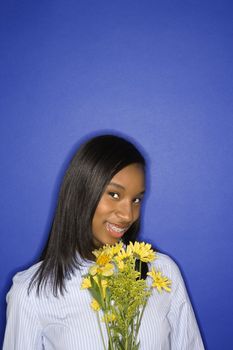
<point x="115" y="228"/>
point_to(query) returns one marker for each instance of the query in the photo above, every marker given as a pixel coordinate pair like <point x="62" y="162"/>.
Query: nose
<point x="125" y="212"/>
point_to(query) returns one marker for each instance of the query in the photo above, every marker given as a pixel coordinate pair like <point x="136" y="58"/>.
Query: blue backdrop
<point x="158" y="71"/>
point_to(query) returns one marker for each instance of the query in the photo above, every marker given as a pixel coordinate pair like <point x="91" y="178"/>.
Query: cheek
<point x="101" y="212"/>
<point x="137" y="211"/>
<point x="101" y="209"/>
<point x="105" y="206"/>
<point x="136" y="214"/>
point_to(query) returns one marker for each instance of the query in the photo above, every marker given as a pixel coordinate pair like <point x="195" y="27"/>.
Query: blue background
<point x="158" y="71"/>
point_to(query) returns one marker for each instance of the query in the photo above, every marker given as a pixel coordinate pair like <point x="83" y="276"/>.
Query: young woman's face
<point x="119" y="206"/>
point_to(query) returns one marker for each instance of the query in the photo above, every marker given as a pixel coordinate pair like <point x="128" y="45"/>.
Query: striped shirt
<point x="68" y="322"/>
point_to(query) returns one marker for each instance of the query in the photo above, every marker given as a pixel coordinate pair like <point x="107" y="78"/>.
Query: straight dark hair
<point x="89" y="172"/>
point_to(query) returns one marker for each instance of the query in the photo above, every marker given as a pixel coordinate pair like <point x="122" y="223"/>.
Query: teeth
<point x="116" y="229"/>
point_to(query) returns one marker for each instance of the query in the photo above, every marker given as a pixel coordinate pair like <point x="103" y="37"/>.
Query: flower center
<point x="103" y="260"/>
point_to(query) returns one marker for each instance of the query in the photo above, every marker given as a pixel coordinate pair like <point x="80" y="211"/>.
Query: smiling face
<point x="119" y="206"/>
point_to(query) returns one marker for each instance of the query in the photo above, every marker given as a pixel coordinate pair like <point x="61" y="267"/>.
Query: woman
<point x="99" y="203"/>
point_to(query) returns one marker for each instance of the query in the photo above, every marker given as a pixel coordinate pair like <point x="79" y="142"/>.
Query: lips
<point x="116" y="230"/>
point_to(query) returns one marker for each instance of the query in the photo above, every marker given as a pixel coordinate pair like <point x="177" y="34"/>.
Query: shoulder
<point x="170" y="269"/>
<point x="24" y="277"/>
<point x="20" y="283"/>
<point x="167" y="265"/>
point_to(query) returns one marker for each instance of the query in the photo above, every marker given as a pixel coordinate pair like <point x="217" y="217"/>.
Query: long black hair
<point x="89" y="172"/>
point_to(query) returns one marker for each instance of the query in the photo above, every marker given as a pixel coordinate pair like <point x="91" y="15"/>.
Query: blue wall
<point x="158" y="71"/>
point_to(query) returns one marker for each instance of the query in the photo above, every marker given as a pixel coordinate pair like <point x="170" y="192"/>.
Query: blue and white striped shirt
<point x="69" y="323"/>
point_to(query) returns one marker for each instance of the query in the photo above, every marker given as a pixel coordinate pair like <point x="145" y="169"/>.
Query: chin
<point x="112" y="240"/>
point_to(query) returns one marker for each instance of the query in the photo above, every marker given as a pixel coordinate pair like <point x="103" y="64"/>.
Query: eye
<point x="137" y="200"/>
<point x="114" y="195"/>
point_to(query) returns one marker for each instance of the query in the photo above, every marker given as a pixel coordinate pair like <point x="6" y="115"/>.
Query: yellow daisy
<point x="109" y="250"/>
<point x="159" y="281"/>
<point x="123" y="254"/>
<point x="95" y="305"/>
<point x="141" y="251"/>
<point x="86" y="283"/>
<point x="103" y="259"/>
<point x="105" y="270"/>
<point x="113" y="250"/>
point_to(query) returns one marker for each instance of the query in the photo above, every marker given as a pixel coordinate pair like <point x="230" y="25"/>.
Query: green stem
<point x="102" y="337"/>
<point x="139" y="316"/>
<point x="140" y="268"/>
<point x="139" y="320"/>
<point x="109" y="336"/>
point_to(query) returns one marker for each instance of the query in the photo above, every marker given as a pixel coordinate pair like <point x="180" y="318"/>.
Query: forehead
<point x="130" y="177"/>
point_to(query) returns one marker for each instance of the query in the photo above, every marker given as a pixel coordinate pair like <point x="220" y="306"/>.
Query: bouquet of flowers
<point x="119" y="293"/>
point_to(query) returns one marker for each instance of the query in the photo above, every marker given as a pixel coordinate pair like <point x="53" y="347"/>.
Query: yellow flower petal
<point x="103" y="259"/>
<point x="109" y="250"/>
<point x="159" y="281"/>
<point x="121" y="265"/>
<point x="106" y="270"/>
<point x="141" y="251"/>
<point x="93" y="270"/>
<point x="95" y="305"/>
<point x="123" y="254"/>
<point x="113" y="250"/>
<point x="86" y="283"/>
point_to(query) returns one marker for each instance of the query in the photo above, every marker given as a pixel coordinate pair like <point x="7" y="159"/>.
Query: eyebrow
<point x="122" y="187"/>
